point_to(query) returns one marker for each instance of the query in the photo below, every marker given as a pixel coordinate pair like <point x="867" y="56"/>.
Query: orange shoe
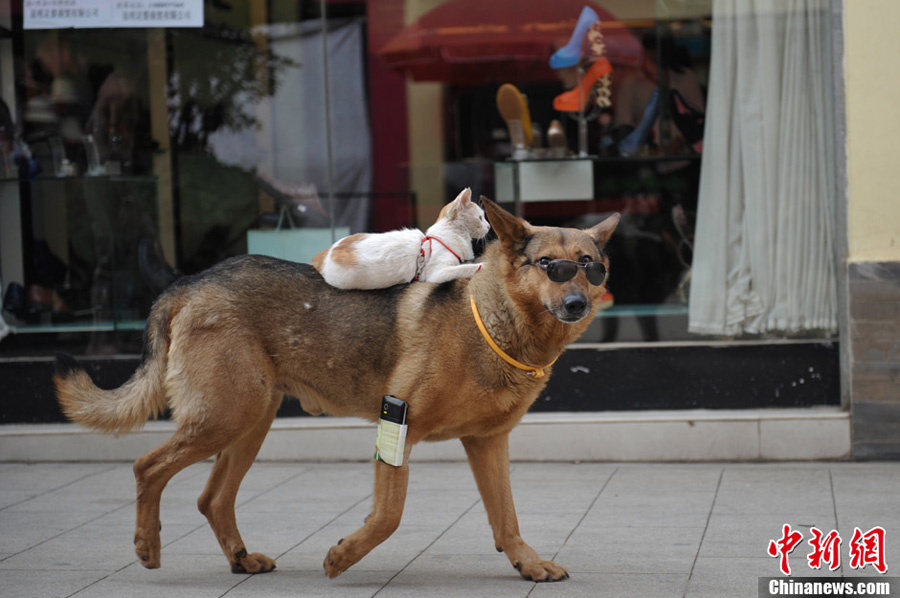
<point x="569" y="101"/>
<point x="513" y="107"/>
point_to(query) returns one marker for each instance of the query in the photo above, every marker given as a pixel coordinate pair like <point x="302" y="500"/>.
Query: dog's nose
<point x="575" y="304"/>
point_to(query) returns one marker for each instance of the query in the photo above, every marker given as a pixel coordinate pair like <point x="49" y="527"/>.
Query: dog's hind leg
<point x="387" y="509"/>
<point x="489" y="460"/>
<point x="152" y="472"/>
<point x="218" y="498"/>
<point x="217" y="398"/>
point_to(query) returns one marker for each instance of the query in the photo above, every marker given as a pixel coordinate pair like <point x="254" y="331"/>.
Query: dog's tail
<point x="129" y="406"/>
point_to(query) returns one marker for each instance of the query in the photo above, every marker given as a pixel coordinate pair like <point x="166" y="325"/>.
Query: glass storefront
<point x="134" y="154"/>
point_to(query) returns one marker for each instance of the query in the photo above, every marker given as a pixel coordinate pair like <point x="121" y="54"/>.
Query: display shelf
<point x="662" y="309"/>
<point x="65" y="327"/>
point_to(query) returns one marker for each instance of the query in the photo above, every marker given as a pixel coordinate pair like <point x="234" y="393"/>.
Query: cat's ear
<point x="455" y="207"/>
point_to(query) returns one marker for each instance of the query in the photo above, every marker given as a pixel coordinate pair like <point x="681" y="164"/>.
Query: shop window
<point x="132" y="155"/>
<point x="642" y="71"/>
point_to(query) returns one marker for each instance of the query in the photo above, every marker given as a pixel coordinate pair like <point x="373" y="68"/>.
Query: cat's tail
<point x="318" y="260"/>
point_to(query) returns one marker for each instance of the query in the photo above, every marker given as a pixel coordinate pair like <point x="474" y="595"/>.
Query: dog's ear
<point x="511" y="231"/>
<point x="603" y="231"/>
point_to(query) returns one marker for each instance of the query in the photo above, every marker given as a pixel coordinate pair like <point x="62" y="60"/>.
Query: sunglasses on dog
<point x="565" y="270"/>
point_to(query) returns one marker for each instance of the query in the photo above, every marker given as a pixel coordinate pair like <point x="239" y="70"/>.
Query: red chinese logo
<point x="784" y="546"/>
<point x="866" y="548"/>
<point x="827" y="548"/>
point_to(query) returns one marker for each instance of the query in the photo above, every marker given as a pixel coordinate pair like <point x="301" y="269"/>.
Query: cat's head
<point x="465" y="212"/>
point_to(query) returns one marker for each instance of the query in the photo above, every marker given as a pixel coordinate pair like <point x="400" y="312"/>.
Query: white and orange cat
<point x="381" y="260"/>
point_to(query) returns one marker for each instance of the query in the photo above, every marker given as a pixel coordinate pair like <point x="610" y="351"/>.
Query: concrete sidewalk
<point x="663" y="530"/>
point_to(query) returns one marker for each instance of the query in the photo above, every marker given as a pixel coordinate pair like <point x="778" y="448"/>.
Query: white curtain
<point x="764" y="258"/>
<point x="291" y="143"/>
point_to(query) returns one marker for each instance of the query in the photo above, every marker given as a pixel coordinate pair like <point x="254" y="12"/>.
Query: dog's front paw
<point x="147" y="548"/>
<point x="337" y="561"/>
<point x="251" y="563"/>
<point x="542" y="571"/>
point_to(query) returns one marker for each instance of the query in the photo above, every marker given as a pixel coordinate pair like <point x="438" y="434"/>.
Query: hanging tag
<point x="390" y="440"/>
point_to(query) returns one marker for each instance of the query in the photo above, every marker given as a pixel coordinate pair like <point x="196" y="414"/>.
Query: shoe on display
<point x="537" y="137"/>
<point x="570" y="54"/>
<point x="14" y="301"/>
<point x="596" y="47"/>
<point x="574" y="99"/>
<point x="154" y="270"/>
<point x="556" y="140"/>
<point x="513" y="108"/>
<point x="631" y="145"/>
<point x="41" y="299"/>
<point x="688" y="119"/>
<point x="606" y="301"/>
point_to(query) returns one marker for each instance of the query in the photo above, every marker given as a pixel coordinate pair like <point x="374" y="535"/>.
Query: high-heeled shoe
<point x="556" y="140"/>
<point x="688" y="119"/>
<point x="514" y="109"/>
<point x="574" y="99"/>
<point x="632" y="144"/>
<point x="570" y="54"/>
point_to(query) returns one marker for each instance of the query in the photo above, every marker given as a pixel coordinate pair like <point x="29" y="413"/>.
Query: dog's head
<point x="528" y="266"/>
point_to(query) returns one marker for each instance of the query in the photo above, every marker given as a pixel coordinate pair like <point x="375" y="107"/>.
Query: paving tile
<point x="739" y="577"/>
<point x="574" y="498"/>
<point x="792" y="491"/>
<point x="678" y="479"/>
<point x="891" y="548"/>
<point x="748" y="536"/>
<point x="452" y="576"/>
<point x="393" y="554"/>
<point x="318" y="490"/>
<point x="654" y="530"/>
<point x="98" y="493"/>
<point x="86" y="548"/>
<point x="269" y="533"/>
<point x="474" y="536"/>
<point x="592" y="585"/>
<point x="650" y="510"/>
<point x="541" y="487"/>
<point x="22" y="530"/>
<point x="291" y="583"/>
<point x="49" y="476"/>
<point x="196" y="577"/>
<point x="443" y="507"/>
<point x="631" y="550"/>
<point x="656" y="496"/>
<point x="732" y="577"/>
<point x="865" y="499"/>
<point x="24" y="583"/>
<point x="9" y="498"/>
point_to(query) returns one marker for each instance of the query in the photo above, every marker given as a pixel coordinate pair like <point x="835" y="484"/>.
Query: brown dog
<point x="224" y="346"/>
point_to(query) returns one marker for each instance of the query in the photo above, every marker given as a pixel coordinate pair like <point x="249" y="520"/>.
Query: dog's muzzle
<point x="574" y="307"/>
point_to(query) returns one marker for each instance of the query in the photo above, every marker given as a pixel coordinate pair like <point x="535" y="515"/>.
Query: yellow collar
<point x="532" y="371"/>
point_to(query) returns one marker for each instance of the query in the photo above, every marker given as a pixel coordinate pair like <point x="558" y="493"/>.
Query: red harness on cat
<point x="428" y="239"/>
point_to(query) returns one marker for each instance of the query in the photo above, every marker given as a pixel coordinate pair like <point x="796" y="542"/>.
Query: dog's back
<point x="282" y="313"/>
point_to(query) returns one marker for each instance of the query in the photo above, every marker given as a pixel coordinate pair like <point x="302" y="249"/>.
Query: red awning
<point x="481" y="41"/>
